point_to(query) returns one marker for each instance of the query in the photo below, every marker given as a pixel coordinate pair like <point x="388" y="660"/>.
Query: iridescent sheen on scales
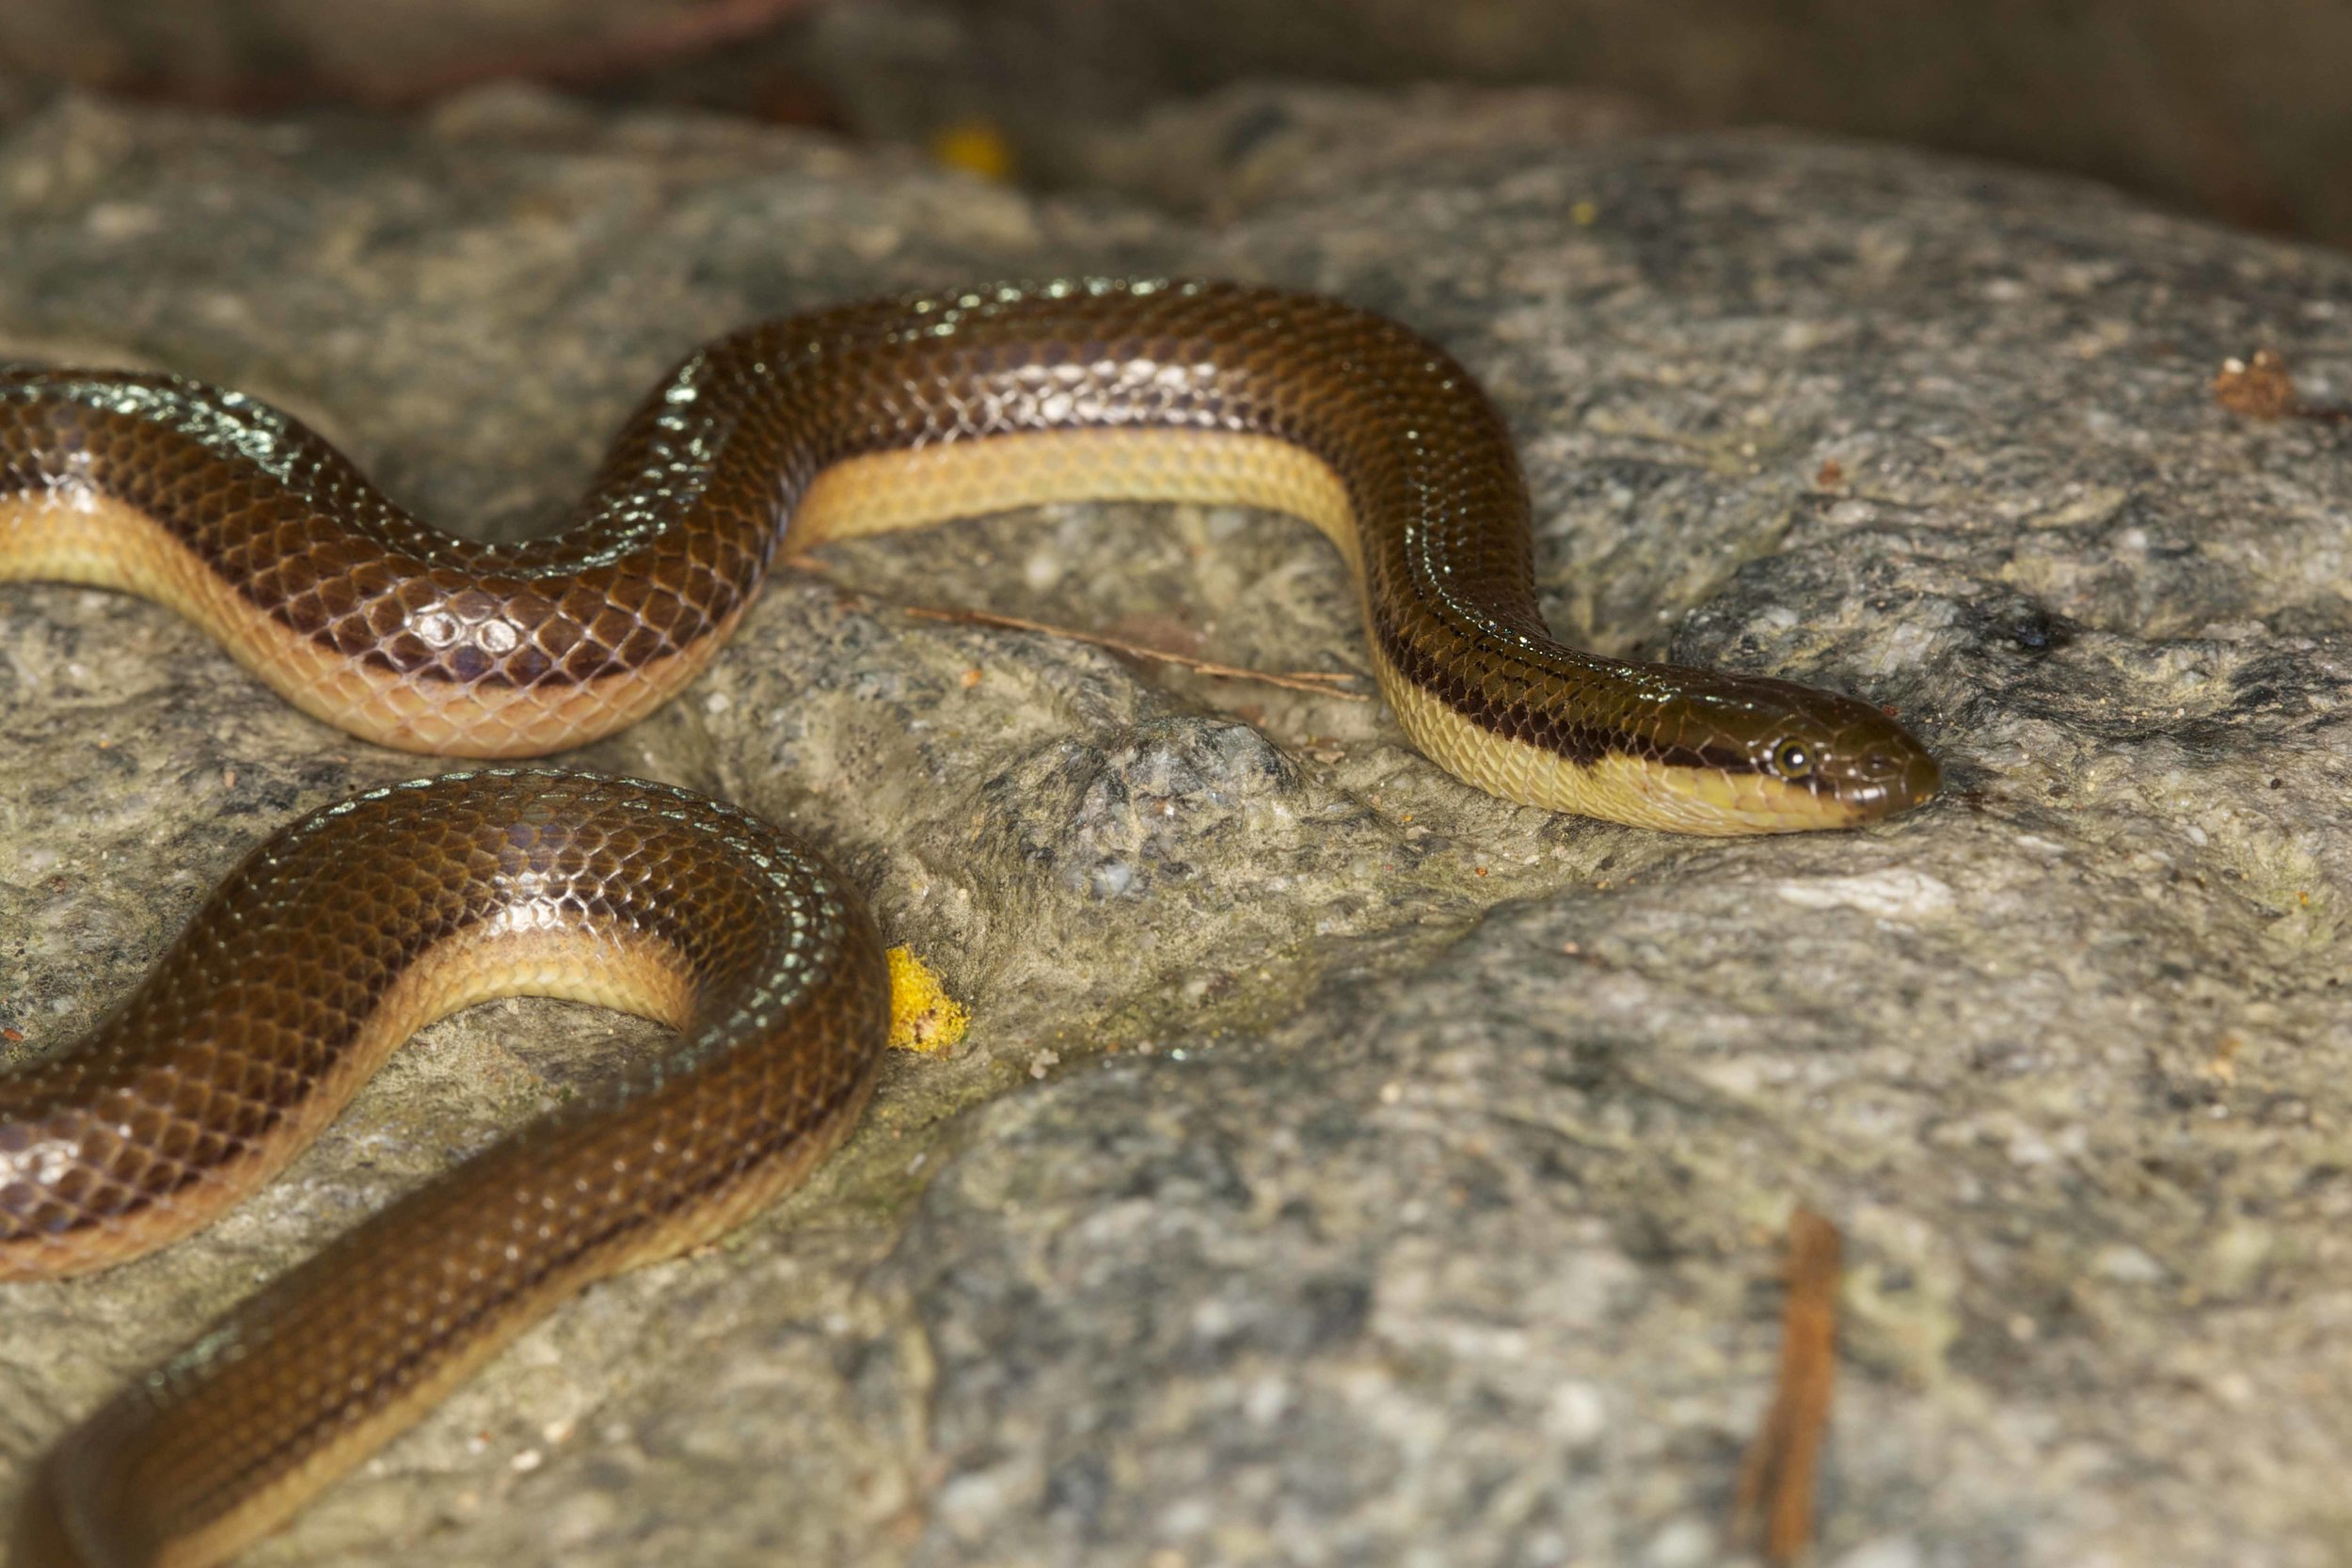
<point x="900" y="413"/>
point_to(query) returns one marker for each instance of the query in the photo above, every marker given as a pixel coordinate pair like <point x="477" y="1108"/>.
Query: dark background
<point x="2237" y="109"/>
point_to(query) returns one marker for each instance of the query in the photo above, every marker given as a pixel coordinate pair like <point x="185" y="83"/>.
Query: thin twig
<point x="1776" y="1483"/>
<point x="1318" y="681"/>
<point x="1324" y="683"/>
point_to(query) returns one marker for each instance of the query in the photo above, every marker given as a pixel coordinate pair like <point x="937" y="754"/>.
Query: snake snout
<point x="1886" y="778"/>
<point x="1870" y="764"/>
<point x="1920" y="780"/>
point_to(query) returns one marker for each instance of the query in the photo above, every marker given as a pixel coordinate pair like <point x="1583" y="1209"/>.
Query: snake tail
<point x="330" y="946"/>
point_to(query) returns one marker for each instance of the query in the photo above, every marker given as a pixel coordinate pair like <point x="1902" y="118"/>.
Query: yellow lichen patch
<point x="976" y="147"/>
<point x="923" y="1017"/>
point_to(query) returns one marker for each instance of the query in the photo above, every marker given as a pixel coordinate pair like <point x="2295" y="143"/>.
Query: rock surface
<point x="1344" y="1166"/>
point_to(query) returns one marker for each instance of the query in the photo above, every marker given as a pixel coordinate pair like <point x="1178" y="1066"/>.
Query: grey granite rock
<point x="1346" y="1167"/>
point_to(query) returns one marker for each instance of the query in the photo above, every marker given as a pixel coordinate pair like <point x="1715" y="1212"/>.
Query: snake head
<point x="1752" y="755"/>
<point x="1852" y="762"/>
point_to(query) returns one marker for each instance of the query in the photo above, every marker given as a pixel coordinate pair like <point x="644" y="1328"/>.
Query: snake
<point x="340" y="938"/>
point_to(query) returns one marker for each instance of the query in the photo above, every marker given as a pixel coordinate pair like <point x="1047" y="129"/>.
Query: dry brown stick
<point x="1776" y="1481"/>
<point x="1322" y="682"/>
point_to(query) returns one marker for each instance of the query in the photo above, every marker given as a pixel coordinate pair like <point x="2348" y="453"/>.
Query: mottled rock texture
<point x="1346" y="1167"/>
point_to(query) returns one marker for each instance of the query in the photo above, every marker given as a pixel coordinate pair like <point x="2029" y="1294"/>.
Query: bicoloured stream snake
<point x="352" y="930"/>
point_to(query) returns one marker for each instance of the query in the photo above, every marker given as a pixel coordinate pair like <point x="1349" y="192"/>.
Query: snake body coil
<point x="353" y="928"/>
<point x="893" y="414"/>
<point x="333" y="944"/>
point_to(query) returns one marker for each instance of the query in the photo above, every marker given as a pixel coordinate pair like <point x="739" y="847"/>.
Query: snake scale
<point x="351" y="929"/>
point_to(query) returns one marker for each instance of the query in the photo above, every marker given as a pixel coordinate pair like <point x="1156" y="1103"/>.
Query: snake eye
<point x="1791" y="759"/>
